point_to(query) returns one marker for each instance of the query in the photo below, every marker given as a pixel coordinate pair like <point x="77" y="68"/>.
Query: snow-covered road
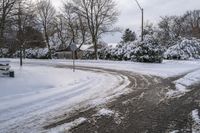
<point x="40" y="93"/>
<point x="45" y="89"/>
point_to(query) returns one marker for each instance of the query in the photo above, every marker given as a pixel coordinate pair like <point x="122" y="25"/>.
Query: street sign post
<point x="73" y="48"/>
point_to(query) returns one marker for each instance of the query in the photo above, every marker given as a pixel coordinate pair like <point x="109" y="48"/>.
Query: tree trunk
<point x="2" y="34"/>
<point x="48" y="45"/>
<point x="95" y="49"/>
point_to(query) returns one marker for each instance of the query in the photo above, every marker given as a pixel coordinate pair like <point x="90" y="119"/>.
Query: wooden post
<point x="21" y="55"/>
<point x="73" y="61"/>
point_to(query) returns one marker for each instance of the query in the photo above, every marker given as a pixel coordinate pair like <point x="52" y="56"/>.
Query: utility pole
<point x="142" y="11"/>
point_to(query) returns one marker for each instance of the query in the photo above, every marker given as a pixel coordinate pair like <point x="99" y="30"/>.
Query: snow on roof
<point x="85" y="47"/>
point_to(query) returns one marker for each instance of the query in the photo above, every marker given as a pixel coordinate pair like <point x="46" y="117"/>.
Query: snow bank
<point x="190" y="79"/>
<point x="196" y="121"/>
<point x="182" y="84"/>
<point x="67" y="126"/>
<point x="184" y="50"/>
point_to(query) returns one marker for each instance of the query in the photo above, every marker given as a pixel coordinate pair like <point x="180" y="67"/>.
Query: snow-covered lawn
<point x="166" y="69"/>
<point x="38" y="93"/>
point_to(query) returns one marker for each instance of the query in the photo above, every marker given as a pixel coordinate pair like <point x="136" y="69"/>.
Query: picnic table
<point x="5" y="69"/>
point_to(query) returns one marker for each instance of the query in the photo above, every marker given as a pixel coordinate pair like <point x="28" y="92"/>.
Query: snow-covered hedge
<point x="36" y="53"/>
<point x="185" y="49"/>
<point x="146" y="51"/>
<point x="123" y="51"/>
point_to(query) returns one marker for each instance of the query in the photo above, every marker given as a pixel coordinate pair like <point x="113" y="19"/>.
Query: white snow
<point x="113" y="45"/>
<point x="86" y="47"/>
<point x="190" y="79"/>
<point x="39" y="93"/>
<point x="166" y="69"/>
<point x="175" y="131"/>
<point x="105" y="112"/>
<point x="183" y="83"/>
<point x="33" y="53"/>
<point x="185" y="49"/>
<point x="196" y="121"/>
<point x="67" y="126"/>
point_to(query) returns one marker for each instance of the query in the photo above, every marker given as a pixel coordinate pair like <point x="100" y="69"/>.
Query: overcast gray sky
<point x="130" y="15"/>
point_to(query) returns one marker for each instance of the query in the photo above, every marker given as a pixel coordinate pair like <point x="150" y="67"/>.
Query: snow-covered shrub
<point x="4" y="52"/>
<point x="146" y="51"/>
<point x="36" y="53"/>
<point x="149" y="51"/>
<point x="123" y="51"/>
<point x="88" y="55"/>
<point x="184" y="49"/>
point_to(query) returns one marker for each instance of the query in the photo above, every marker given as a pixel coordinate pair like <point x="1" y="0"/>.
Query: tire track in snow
<point x="32" y="114"/>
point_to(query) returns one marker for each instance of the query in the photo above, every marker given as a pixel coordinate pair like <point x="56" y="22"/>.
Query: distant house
<point x="67" y="53"/>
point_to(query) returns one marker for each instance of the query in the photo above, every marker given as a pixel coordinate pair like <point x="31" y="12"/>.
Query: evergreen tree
<point x="129" y="36"/>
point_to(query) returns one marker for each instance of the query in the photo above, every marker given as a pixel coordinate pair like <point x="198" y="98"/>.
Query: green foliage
<point x="149" y="51"/>
<point x="129" y="36"/>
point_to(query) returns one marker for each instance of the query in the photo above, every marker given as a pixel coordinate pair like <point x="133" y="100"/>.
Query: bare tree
<point x="192" y="23"/>
<point x="100" y="16"/>
<point x="71" y="21"/>
<point x="61" y="31"/>
<point x="6" y="7"/>
<point x="46" y="15"/>
<point x="76" y="24"/>
<point x="173" y="27"/>
<point x="23" y="17"/>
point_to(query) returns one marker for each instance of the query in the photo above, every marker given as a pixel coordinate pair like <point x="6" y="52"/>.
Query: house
<point x="67" y="53"/>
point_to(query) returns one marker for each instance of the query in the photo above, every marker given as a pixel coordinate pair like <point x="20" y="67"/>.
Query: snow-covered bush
<point x="36" y="53"/>
<point x="88" y="55"/>
<point x="4" y="52"/>
<point x="123" y="51"/>
<point x="184" y="49"/>
<point x="149" y="51"/>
